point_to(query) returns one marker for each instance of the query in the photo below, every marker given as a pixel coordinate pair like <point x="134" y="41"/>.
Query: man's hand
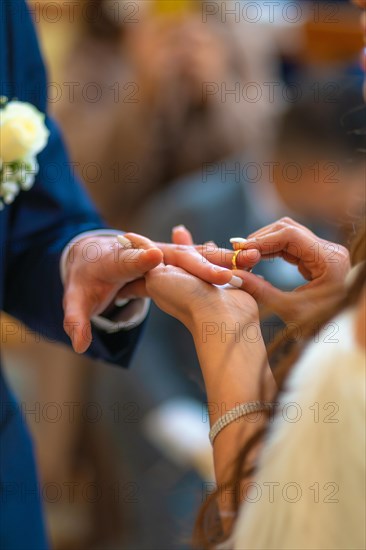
<point x="96" y="269"/>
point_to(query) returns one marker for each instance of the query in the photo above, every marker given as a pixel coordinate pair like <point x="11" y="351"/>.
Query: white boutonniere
<point x="23" y="134"/>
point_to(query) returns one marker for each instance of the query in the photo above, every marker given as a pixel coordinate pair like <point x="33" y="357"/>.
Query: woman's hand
<point x="196" y="303"/>
<point x="224" y="323"/>
<point x="211" y="252"/>
<point x="324" y="264"/>
<point x="184" y="287"/>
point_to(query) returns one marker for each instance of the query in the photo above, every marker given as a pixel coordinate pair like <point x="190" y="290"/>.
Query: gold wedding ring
<point x="234" y="265"/>
<point x="233" y="261"/>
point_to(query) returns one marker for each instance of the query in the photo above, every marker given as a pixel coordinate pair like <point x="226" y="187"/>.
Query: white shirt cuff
<point x="132" y="314"/>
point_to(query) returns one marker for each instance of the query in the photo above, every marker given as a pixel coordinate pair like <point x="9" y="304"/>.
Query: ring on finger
<point x="234" y="265"/>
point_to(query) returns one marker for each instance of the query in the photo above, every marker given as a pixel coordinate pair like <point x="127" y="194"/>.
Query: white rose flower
<point x="23" y="132"/>
<point x="23" y="172"/>
<point x="29" y="174"/>
<point x="9" y="190"/>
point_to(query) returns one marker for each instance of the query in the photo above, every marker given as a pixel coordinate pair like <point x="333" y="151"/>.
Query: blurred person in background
<point x="171" y="98"/>
<point x="318" y="169"/>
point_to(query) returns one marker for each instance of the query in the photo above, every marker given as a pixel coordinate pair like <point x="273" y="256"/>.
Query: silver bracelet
<point x="237" y="412"/>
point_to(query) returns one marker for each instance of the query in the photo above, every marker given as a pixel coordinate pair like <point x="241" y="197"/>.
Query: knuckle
<point x="184" y="248"/>
<point x="342" y="251"/>
<point x="279" y="225"/>
<point x="294" y="232"/>
<point x="286" y="220"/>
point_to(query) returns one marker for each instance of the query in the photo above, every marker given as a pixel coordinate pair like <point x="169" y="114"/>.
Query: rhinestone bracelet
<point x="237" y="412"/>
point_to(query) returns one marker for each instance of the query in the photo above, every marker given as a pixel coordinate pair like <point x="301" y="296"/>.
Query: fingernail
<point x="236" y="282"/>
<point x="179" y="228"/>
<point x="219" y="269"/>
<point x="238" y="242"/>
<point x="126" y="243"/>
<point x="120" y="302"/>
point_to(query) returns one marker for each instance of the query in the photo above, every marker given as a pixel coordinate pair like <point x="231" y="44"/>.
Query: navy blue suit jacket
<point x="33" y="232"/>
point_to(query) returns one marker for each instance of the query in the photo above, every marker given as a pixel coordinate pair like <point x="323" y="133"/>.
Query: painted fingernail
<point x="238" y="242"/>
<point x="219" y="269"/>
<point x="120" y="302"/>
<point x="236" y="282"/>
<point x="126" y="243"/>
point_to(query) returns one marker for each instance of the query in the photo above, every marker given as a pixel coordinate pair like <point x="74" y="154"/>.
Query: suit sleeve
<point x="43" y="220"/>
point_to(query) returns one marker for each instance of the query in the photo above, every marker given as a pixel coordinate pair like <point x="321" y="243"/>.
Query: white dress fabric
<point x="309" y="492"/>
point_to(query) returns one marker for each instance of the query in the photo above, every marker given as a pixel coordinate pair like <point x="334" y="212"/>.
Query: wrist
<point x="222" y="314"/>
<point x="233" y="359"/>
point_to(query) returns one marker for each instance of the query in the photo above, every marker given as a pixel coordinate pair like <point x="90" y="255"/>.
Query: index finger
<point x="189" y="259"/>
<point x="289" y="241"/>
<point x="275" y="226"/>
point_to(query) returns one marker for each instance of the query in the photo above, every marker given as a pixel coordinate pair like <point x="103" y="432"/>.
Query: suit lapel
<point x="5" y="90"/>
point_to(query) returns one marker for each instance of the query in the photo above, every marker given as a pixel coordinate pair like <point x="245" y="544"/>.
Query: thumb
<point x="77" y="313"/>
<point x="135" y="263"/>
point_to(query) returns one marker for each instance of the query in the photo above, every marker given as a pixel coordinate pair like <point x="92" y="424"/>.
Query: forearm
<point x="235" y="369"/>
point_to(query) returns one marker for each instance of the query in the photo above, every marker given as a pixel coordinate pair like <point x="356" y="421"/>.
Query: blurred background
<point x="222" y="116"/>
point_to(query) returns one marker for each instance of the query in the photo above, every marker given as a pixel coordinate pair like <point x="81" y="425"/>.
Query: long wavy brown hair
<point x="208" y="531"/>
